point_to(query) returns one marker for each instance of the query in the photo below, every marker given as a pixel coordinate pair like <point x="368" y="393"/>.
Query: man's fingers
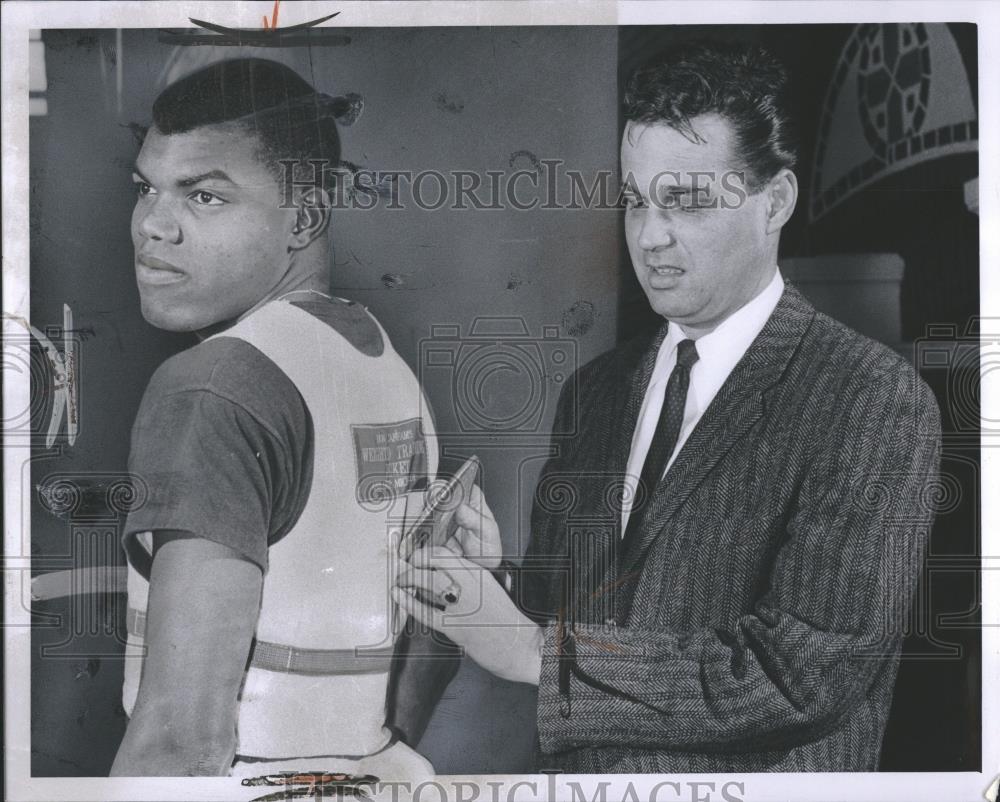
<point x="416" y="577"/>
<point x="456" y="544"/>
<point x="433" y="584"/>
<point x="476" y="503"/>
<point x="477" y="500"/>
<point x="440" y="579"/>
<point x="469" y="518"/>
<point x="475" y="529"/>
<point x="444" y="559"/>
<point x="423" y="613"/>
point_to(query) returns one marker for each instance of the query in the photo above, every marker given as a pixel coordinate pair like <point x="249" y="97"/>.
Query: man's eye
<point x="695" y="205"/>
<point x="142" y="188"/>
<point x="203" y="198"/>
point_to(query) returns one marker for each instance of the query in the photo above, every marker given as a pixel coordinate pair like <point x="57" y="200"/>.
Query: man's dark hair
<point x="741" y="82"/>
<point x="289" y="118"/>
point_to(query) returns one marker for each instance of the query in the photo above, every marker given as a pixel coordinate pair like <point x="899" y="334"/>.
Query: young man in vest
<point x="277" y="453"/>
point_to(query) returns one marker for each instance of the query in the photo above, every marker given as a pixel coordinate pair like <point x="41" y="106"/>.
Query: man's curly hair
<point x="741" y="82"/>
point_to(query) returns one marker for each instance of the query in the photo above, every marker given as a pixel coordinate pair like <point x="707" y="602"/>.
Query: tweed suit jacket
<point x="756" y="623"/>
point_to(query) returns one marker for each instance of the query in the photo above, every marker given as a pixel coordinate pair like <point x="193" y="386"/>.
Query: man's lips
<point x="150" y="270"/>
<point x="663" y="277"/>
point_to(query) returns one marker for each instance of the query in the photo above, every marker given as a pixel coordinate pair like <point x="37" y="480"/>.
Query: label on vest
<point x="391" y="460"/>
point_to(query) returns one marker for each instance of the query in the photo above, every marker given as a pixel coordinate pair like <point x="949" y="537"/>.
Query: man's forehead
<point x="707" y="146"/>
<point x="205" y="148"/>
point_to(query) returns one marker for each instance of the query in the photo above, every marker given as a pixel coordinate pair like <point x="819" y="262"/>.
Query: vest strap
<point x="283" y="659"/>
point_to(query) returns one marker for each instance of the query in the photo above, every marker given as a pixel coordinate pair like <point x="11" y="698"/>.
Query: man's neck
<point x="315" y="282"/>
<point x="307" y="272"/>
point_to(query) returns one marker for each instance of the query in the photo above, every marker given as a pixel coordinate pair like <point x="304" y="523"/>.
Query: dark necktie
<point x="668" y="429"/>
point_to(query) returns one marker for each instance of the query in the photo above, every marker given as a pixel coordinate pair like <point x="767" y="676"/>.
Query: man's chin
<point x="168" y="320"/>
<point x="668" y="304"/>
<point x="692" y="318"/>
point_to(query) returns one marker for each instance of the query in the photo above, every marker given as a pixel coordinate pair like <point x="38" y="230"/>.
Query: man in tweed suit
<point x="742" y="609"/>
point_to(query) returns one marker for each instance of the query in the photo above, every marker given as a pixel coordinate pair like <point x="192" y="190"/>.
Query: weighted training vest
<point x="319" y="671"/>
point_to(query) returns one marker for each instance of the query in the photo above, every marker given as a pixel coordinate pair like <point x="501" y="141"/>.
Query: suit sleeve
<point x="786" y="672"/>
<point x="539" y="579"/>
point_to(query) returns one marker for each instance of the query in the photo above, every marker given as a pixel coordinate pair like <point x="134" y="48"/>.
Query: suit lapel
<point x="625" y="395"/>
<point x="631" y="392"/>
<point x="739" y="404"/>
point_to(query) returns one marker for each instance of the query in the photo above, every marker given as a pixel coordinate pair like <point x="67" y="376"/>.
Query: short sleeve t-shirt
<point x="223" y="440"/>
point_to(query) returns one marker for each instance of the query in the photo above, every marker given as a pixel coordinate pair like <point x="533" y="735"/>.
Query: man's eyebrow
<point x="220" y="175"/>
<point x="197" y="179"/>
<point x="683" y="189"/>
<point x="684" y="192"/>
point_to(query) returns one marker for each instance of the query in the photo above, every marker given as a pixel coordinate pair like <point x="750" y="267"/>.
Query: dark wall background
<point x="476" y="99"/>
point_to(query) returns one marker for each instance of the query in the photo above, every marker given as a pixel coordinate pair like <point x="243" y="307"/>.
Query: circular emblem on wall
<point x="882" y="112"/>
<point x="894" y="80"/>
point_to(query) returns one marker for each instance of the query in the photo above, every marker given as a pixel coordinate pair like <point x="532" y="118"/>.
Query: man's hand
<point x="478" y="536"/>
<point x="464" y="603"/>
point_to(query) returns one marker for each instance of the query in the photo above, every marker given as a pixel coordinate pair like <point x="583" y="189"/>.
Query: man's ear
<point x="311" y="218"/>
<point x="782" y="192"/>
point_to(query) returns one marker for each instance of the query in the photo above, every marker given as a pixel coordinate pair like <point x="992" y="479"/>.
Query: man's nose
<point x="158" y="222"/>
<point x="657" y="231"/>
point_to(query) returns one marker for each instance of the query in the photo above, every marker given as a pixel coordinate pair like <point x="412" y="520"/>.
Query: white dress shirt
<point x="718" y="353"/>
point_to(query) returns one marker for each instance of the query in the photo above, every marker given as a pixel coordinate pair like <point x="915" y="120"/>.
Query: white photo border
<point x="18" y="18"/>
